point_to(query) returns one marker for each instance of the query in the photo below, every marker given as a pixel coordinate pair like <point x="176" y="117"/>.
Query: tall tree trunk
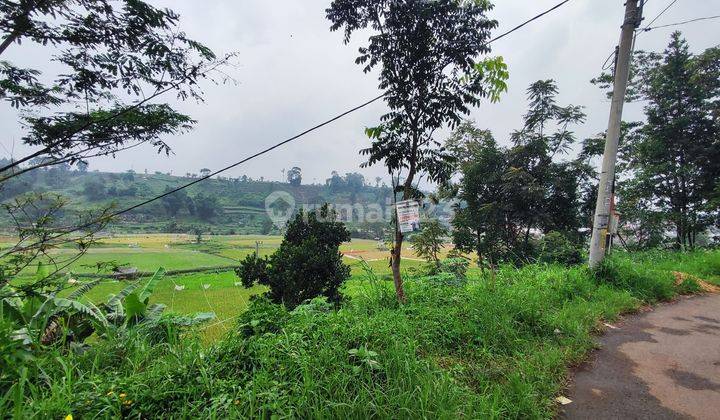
<point x="395" y="265"/>
<point x="526" y="240"/>
<point x="28" y="8"/>
<point x="481" y="261"/>
<point x="397" y="249"/>
<point x="679" y="233"/>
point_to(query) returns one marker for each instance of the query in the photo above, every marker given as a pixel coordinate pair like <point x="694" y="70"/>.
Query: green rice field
<point x="215" y="291"/>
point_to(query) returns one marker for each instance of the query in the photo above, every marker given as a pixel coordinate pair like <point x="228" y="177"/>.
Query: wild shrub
<point x="307" y="264"/>
<point x="641" y="281"/>
<point x="689" y="287"/>
<point x="555" y="247"/>
<point x="262" y="316"/>
<point x="429" y="242"/>
<point x="445" y="279"/>
<point x="253" y="269"/>
<point x="14" y="354"/>
<point x="455" y="266"/>
<point x="474" y="352"/>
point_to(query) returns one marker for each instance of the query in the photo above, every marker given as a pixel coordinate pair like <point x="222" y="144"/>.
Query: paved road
<point x="663" y="364"/>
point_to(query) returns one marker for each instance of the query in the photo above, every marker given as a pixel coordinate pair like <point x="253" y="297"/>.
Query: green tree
<point x="206" y="206"/>
<point x="355" y="183"/>
<point x="104" y="47"/>
<point x="429" y="242"/>
<point x="173" y="203"/>
<point x="198" y="232"/>
<point x="506" y="193"/>
<point x="483" y="221"/>
<point x="673" y="160"/>
<point x="113" y="61"/>
<point x="307" y="264"/>
<point x="544" y="192"/>
<point x="294" y="176"/>
<point x="335" y="182"/>
<point x="428" y="53"/>
<point x="94" y="189"/>
<point x="556" y="248"/>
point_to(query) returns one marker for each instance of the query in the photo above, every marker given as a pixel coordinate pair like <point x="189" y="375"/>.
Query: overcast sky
<point x="294" y="73"/>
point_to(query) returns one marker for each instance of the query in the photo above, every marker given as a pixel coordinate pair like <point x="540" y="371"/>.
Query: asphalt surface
<point x="663" y="364"/>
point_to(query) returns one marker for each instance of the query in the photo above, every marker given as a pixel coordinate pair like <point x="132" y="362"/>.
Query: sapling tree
<point x="428" y="54"/>
<point x="508" y="192"/>
<point x="429" y="243"/>
<point x="294" y="176"/>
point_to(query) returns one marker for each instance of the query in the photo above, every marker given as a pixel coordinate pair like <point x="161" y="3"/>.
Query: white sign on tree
<point x="408" y="215"/>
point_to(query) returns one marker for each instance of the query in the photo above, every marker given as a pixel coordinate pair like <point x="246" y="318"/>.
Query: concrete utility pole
<point x="600" y="238"/>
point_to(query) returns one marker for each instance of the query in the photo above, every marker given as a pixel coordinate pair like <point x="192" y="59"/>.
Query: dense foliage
<point x="429" y="242"/>
<point x="103" y="47"/>
<point x="459" y="343"/>
<point x="58" y="319"/>
<point x="670" y="164"/>
<point x="308" y="263"/>
<point x="507" y="193"/>
<point x="112" y="60"/>
<point x="227" y="205"/>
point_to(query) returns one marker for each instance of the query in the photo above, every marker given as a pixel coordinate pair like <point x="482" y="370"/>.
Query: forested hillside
<point x="220" y="205"/>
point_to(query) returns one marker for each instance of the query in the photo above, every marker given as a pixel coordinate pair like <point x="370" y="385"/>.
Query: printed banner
<point x="408" y="215"/>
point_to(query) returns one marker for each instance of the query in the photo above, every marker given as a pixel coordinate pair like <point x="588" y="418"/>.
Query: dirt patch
<point x="705" y="286"/>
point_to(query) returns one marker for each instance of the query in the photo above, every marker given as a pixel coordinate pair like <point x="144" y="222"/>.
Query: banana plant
<point x="44" y="318"/>
<point x="131" y="306"/>
<point x="47" y="319"/>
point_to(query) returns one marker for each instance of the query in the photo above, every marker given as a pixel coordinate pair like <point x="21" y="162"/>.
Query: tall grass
<point x="497" y="347"/>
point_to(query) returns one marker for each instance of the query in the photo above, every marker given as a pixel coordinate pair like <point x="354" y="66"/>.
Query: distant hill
<point x="218" y="205"/>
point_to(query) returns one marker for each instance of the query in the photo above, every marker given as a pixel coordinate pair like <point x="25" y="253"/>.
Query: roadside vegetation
<point x="497" y="344"/>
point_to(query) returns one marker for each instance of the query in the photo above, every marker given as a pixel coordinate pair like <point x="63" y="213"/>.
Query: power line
<point x="648" y="28"/>
<point x="304" y="132"/>
<point x="203" y="178"/>
<point x="672" y="3"/>
<point x="526" y="22"/>
<point x="605" y="65"/>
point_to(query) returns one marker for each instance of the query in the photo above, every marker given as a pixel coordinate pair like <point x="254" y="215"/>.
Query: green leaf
<point x="11" y="308"/>
<point x="494" y="72"/>
<point x="80" y="291"/>
<point x="154" y="311"/>
<point x="41" y="272"/>
<point x="373" y="132"/>
<point x="43" y="312"/>
<point x="116" y="302"/>
<point x="134" y="308"/>
<point x="200" y="317"/>
<point x="63" y="303"/>
<point x="147" y="291"/>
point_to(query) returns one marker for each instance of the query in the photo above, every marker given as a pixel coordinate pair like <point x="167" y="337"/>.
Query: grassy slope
<point x="497" y="347"/>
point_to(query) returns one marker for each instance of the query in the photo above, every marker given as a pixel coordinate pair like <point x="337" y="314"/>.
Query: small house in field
<point x="124" y="273"/>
